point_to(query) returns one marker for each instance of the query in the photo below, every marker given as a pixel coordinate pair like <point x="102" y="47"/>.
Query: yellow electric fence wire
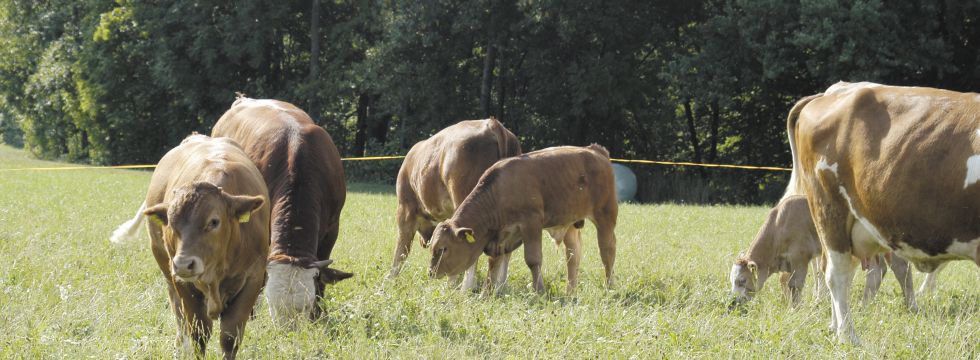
<point x="370" y="158"/>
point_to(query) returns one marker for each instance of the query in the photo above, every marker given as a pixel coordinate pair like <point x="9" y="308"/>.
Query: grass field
<point x="68" y="293"/>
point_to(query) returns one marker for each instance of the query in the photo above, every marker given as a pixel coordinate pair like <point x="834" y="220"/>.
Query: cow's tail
<point x="599" y="149"/>
<point x="506" y="147"/>
<point x="129" y="230"/>
<point x="795" y="187"/>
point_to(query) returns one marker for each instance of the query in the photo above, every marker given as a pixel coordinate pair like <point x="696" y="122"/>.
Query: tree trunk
<point x="360" y="136"/>
<point x="692" y="131"/>
<point x="487" y="87"/>
<point x="713" y="150"/>
<point x="314" y="55"/>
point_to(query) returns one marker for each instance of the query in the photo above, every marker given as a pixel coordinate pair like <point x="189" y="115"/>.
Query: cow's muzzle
<point x="187" y="268"/>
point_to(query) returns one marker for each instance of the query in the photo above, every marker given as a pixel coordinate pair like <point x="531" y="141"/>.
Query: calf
<point x="553" y="189"/>
<point x="438" y="173"/>
<point x="787" y="243"/>
<point x="210" y="237"/>
<point x="302" y="168"/>
<point x="887" y="168"/>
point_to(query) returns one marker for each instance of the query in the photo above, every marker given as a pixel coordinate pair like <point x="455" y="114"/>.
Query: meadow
<point x="66" y="292"/>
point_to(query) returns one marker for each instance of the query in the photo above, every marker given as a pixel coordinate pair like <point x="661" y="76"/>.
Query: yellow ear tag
<point x="243" y="218"/>
<point x="156" y="219"/>
<point x="470" y="239"/>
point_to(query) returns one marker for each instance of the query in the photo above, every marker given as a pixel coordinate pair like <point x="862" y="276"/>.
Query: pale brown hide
<point x="193" y="184"/>
<point x="551" y="189"/>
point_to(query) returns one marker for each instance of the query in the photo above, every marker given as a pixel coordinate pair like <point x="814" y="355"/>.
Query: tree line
<point x="113" y="82"/>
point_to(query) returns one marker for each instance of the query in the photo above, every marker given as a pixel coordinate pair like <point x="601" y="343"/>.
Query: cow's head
<point x="292" y="284"/>
<point x="454" y="249"/>
<point x="743" y="277"/>
<point x="203" y="221"/>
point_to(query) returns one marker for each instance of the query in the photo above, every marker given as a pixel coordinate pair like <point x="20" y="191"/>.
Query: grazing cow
<point x="210" y="237"/>
<point x="787" y="243"/>
<point x="887" y="168"/>
<point x="302" y="168"/>
<point x="438" y="173"/>
<point x="553" y="189"/>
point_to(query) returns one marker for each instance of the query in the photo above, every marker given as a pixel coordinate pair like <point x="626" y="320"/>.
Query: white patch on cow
<point x="972" y="171"/>
<point x="823" y="165"/>
<point x="732" y="277"/>
<point x="840" y="272"/>
<point x="875" y="234"/>
<point x="964" y="249"/>
<point x="290" y="292"/>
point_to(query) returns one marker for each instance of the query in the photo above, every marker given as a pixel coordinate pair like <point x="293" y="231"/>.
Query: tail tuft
<point x="129" y="230"/>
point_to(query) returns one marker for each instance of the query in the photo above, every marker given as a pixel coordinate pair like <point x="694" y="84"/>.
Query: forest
<point x="706" y="81"/>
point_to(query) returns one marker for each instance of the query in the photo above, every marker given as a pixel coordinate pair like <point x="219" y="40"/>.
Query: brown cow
<point x="302" y="168"/>
<point x="210" y="237"/>
<point x="438" y="173"/>
<point x="887" y="168"/>
<point x="787" y="243"/>
<point x="552" y="189"/>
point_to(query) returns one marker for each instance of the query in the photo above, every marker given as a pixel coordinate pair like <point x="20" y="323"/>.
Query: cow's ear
<point x="243" y="206"/>
<point x="753" y="267"/>
<point x="466" y="234"/>
<point x="157" y="213"/>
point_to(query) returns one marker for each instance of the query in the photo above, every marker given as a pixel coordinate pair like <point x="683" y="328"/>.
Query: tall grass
<point x="66" y="292"/>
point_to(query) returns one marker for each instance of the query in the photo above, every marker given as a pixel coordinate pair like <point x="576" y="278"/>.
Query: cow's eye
<point x="213" y="224"/>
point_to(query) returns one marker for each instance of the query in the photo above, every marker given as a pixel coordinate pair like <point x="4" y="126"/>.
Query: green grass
<point x="66" y="292"/>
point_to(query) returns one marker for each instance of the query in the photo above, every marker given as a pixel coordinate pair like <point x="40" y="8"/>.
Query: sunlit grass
<point x="68" y="293"/>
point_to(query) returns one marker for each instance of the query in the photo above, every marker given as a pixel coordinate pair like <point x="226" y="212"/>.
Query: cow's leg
<point x="819" y="277"/>
<point x="496" y="274"/>
<point x="903" y="274"/>
<point x="928" y="286"/>
<point x="875" y="273"/>
<point x="407" y="225"/>
<point x="573" y="256"/>
<point x="235" y="315"/>
<point x="469" y="279"/>
<point x="194" y="326"/>
<point x="533" y="256"/>
<point x="840" y="273"/>
<point x="605" y="227"/>
<point x="797" y="278"/>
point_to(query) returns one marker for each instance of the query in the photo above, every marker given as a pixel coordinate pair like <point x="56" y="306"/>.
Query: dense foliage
<point x="701" y="80"/>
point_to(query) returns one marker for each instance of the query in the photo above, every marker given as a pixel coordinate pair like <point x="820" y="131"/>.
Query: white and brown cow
<point x="887" y="168"/>
<point x="787" y="243"/>
<point x="302" y="168"/>
<point x="438" y="173"/>
<point x="552" y="189"/>
<point x="210" y="237"/>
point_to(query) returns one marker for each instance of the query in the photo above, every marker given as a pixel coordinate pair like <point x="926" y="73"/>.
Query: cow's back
<point x="902" y="160"/>
<point x="566" y="183"/>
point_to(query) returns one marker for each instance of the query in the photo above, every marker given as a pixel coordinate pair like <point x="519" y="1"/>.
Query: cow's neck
<point x="479" y="211"/>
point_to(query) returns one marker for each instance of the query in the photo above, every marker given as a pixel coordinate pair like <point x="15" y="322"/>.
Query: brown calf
<point x="553" y="189"/>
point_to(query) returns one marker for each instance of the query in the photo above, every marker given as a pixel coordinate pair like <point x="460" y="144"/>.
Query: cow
<point x="553" y="189"/>
<point x="887" y="168"/>
<point x="209" y="230"/>
<point x="302" y="168"/>
<point x="436" y="176"/>
<point x="787" y="243"/>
